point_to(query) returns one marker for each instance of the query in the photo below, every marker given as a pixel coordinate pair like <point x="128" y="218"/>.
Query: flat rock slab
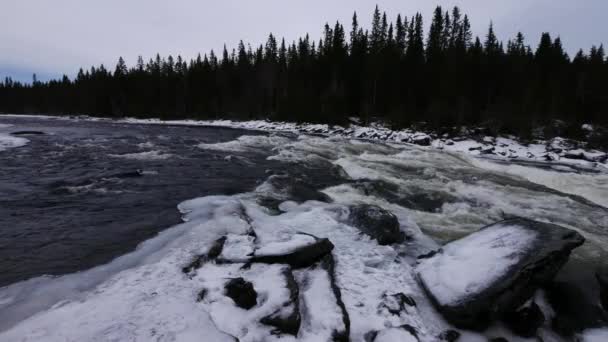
<point x="302" y="250"/>
<point x="480" y="278"/>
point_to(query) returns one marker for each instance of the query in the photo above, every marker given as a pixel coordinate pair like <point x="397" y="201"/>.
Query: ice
<point x="468" y="266"/>
<point x="8" y="141"/>
<point x="143" y="156"/>
<point x="322" y="315"/>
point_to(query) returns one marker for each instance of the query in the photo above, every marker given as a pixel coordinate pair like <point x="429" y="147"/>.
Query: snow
<point x="144" y="156"/>
<point x="322" y="315"/>
<point x="468" y="266"/>
<point x="8" y="141"/>
<point x="284" y="247"/>
<point x="595" y="335"/>
<point x="395" y="335"/>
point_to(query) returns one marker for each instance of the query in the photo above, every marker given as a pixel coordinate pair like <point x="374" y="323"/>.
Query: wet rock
<point x="421" y="139"/>
<point x="299" y="256"/>
<point x="525" y="321"/>
<point x="488" y="150"/>
<point x="201" y="295"/>
<point x="602" y="278"/>
<point x="376" y="222"/>
<point x="573" y="312"/>
<point x="296" y="189"/>
<point x="287" y="319"/>
<point x="27" y="133"/>
<point x="242" y="293"/>
<point x="214" y="252"/>
<point x="482" y="277"/>
<point x="449" y="336"/>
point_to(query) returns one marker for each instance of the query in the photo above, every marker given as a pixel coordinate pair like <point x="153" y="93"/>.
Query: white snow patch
<point x="595" y="335"/>
<point x="468" y="266"/>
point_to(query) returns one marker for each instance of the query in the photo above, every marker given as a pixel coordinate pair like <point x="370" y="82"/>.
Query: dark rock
<point x="489" y="150"/>
<point x="214" y="252"/>
<point x="477" y="148"/>
<point x="297" y="190"/>
<point x="602" y="279"/>
<point x="428" y="255"/>
<point x="201" y="295"/>
<point x="242" y="293"/>
<point x="498" y="339"/>
<point x="397" y="303"/>
<point x="27" y="133"/>
<point x="299" y="257"/>
<point x="542" y="255"/>
<point x="573" y="312"/>
<point x="421" y="139"/>
<point x="525" y="321"/>
<point x="287" y="320"/>
<point x="376" y="222"/>
<point x="449" y="336"/>
<point x="130" y="174"/>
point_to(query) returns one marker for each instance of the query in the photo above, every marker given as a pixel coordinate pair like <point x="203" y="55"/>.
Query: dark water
<point x="67" y="204"/>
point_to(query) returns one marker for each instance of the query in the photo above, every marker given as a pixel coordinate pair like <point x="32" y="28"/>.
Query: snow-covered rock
<point x="302" y="251"/>
<point x="481" y="277"/>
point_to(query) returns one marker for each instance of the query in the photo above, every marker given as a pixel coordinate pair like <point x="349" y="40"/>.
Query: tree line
<point x="392" y="71"/>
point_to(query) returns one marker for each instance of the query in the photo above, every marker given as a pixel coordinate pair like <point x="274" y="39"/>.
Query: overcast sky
<point x="53" y="37"/>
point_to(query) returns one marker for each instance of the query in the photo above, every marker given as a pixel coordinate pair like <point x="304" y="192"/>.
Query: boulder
<point x="421" y="139"/>
<point x="296" y="189"/>
<point x="482" y="277"/>
<point x="525" y="321"/>
<point x="242" y="293"/>
<point x="287" y="319"/>
<point x="302" y="251"/>
<point x="376" y="222"/>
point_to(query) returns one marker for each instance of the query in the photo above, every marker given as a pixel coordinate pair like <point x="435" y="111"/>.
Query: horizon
<point x="56" y="48"/>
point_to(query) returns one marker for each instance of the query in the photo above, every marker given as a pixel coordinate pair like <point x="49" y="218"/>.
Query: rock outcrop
<point x="482" y="277"/>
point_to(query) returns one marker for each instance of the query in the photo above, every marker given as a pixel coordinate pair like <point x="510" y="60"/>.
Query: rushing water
<point x="83" y="193"/>
<point x="86" y="192"/>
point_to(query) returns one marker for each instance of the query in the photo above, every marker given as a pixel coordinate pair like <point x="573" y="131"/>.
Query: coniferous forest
<point x="393" y="71"/>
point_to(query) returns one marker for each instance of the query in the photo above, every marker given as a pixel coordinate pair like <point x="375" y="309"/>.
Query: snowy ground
<point x="145" y="295"/>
